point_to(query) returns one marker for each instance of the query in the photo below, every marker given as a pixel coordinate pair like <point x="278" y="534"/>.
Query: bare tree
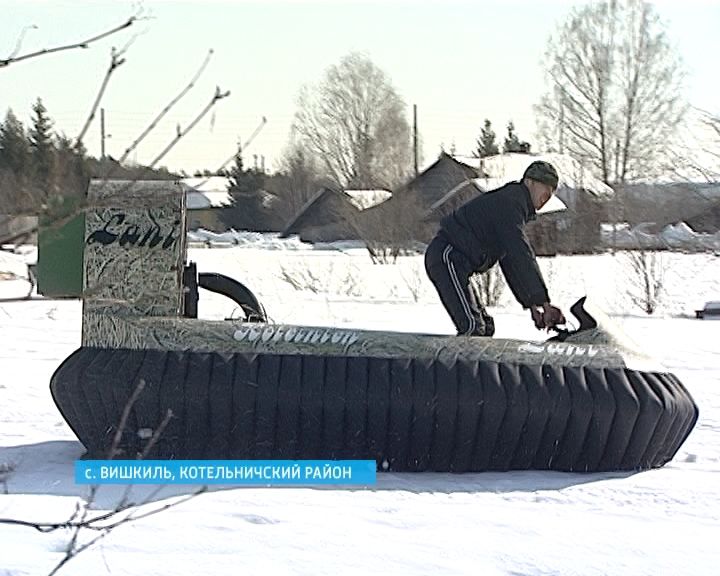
<point x="386" y="242"/>
<point x="354" y="123"/>
<point x="83" y="520"/>
<point x="713" y="122"/>
<point x="297" y="181"/>
<point x="614" y="99"/>
<point x="697" y="155"/>
<point x="488" y="286"/>
<point x="646" y="279"/>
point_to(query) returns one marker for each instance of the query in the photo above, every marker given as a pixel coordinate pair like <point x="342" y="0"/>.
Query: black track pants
<point x="450" y="272"/>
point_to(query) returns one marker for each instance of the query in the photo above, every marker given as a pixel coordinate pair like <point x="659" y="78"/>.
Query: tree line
<point x="40" y="166"/>
<point x="486" y="144"/>
<point x="614" y="99"/>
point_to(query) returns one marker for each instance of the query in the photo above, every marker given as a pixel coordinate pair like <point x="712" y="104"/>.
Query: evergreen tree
<point x="41" y="144"/>
<point x="244" y="181"/>
<point x="14" y="150"/>
<point x="486" y="144"/>
<point x="246" y="187"/>
<point x="72" y="169"/>
<point x="513" y="143"/>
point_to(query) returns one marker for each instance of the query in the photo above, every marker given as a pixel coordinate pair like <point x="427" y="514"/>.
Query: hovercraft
<point x="151" y="382"/>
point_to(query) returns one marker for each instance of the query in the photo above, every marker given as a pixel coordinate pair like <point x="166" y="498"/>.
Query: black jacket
<point x="490" y="229"/>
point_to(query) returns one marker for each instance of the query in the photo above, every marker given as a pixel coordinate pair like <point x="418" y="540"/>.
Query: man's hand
<point x="549" y="317"/>
<point x="552" y="316"/>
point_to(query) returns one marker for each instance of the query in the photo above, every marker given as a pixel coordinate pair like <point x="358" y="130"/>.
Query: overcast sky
<point x="460" y="62"/>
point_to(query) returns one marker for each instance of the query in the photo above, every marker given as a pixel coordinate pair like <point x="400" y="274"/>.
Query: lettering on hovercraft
<point x="128" y="233"/>
<point x="559" y="349"/>
<point x="295" y="335"/>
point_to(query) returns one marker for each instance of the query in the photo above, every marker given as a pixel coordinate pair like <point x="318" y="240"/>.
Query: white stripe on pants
<point x="459" y="290"/>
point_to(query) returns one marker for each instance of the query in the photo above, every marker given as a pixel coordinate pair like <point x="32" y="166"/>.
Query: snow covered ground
<point x="663" y="521"/>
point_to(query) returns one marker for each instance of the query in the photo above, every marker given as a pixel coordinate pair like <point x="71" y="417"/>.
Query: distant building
<point x="412" y="213"/>
<point x="379" y="216"/>
<point x="22" y="228"/>
<point x="447" y="182"/>
<point x="333" y="214"/>
<point x="205" y="196"/>
<point x="208" y="197"/>
<point x="415" y="209"/>
<point x="661" y="204"/>
<point x="707" y="221"/>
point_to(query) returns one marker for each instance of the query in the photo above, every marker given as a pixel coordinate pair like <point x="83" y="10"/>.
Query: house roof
<point x="445" y="174"/>
<point x="665" y="204"/>
<point x="326" y="206"/>
<point x="207" y="192"/>
<point x="363" y="199"/>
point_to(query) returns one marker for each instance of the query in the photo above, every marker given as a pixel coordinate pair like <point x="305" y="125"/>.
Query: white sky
<point x="460" y="62"/>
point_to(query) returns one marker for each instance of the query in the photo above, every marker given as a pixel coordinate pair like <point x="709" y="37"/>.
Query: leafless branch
<point x="20" y="39"/>
<point x="83" y="44"/>
<point x="96" y="523"/>
<point x="167" y="108"/>
<point x="219" y="95"/>
<point x="72" y="552"/>
<point x="124" y="417"/>
<point x="104" y="523"/>
<point x="156" y="434"/>
<point x="243" y="146"/>
<point x="133" y="517"/>
<point x="99" y="522"/>
<point x="115" y="62"/>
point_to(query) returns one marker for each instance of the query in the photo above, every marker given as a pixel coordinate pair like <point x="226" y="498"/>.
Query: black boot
<point x="489" y="324"/>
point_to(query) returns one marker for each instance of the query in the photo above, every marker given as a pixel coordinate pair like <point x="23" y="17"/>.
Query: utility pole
<point x="415" y="138"/>
<point x="562" y="125"/>
<point x="102" y="133"/>
<point x="617" y="183"/>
